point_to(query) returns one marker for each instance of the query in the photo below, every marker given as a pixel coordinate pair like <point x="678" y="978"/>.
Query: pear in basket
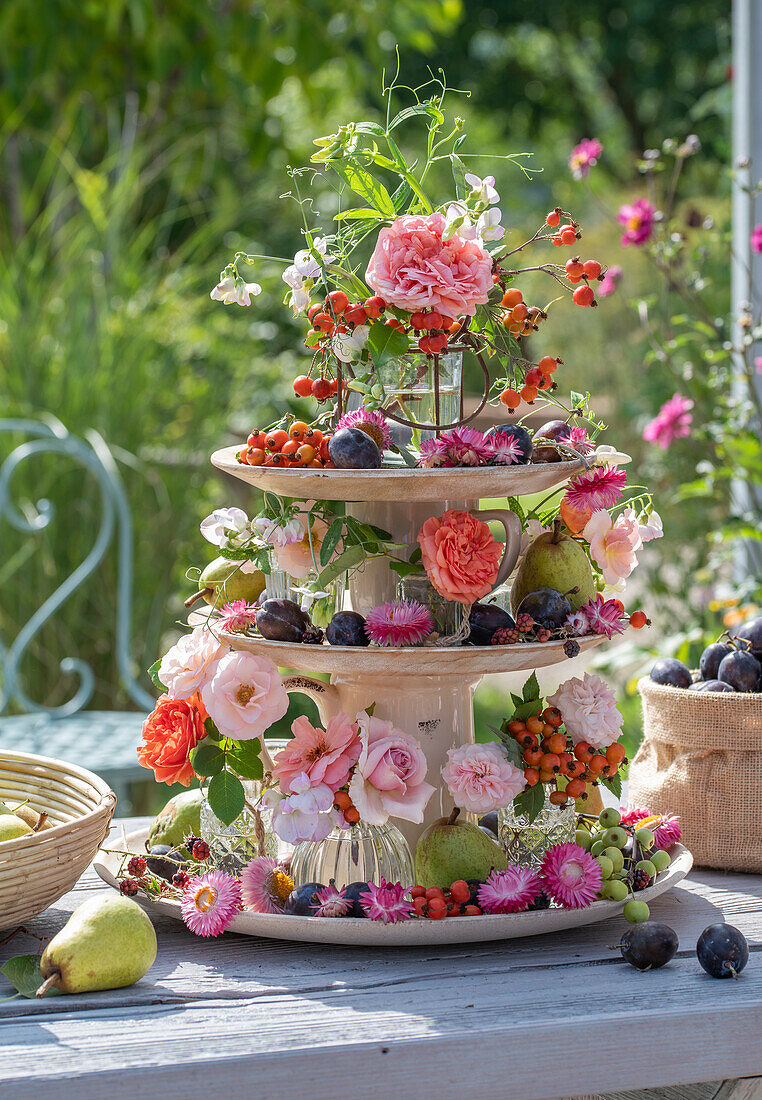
<point x="107" y="943"/>
<point x="12" y="827"/>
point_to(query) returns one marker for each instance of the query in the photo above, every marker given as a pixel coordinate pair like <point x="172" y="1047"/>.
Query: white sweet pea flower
<point x="483" y="190"/>
<point x="299" y="300"/>
<point x="604" y="453"/>
<point x="225" y="289"/>
<point x="488" y="227"/>
<point x="649" y="524"/>
<point x="306" y="264"/>
<point x="292" y="277"/>
<point x="244" y="292"/>
<point x="277" y="534"/>
<point x="348" y="345"/>
<point x="226" y="527"/>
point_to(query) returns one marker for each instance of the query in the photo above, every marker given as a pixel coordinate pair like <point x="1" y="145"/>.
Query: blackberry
<point x="640" y="880"/>
<point x="137" y="866"/>
<point x="571" y="648"/>
<point x="524" y="622"/>
<point x="191" y="840"/>
<point x="506" y="636"/>
<point x="180" y="880"/>
<point x="313" y="635"/>
<point x="200" y="850"/>
<point x="543" y="634"/>
<point x="128" y="887"/>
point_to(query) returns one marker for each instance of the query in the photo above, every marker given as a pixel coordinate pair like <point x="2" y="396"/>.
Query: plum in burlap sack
<point x="701" y="759"/>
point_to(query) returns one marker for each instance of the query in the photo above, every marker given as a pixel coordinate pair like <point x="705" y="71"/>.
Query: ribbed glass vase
<point x="362" y="853"/>
<point x="525" y="843"/>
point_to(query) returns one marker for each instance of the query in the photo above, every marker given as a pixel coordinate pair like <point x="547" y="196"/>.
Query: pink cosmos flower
<point x="588" y="708"/>
<point x="599" y="487"/>
<point x="244" y="696"/>
<point x="584" y="156"/>
<point x="756" y="238"/>
<point x="571" y="876"/>
<point x="387" y="902"/>
<point x="613" y="545"/>
<point x="638" y="220"/>
<point x="673" y="421"/>
<point x="403" y="623"/>
<point x="460" y="555"/>
<point x="190" y="662"/>
<point x="667" y="832"/>
<point x="603" y="616"/>
<point x="610" y="281"/>
<point x="481" y="779"/>
<point x="324" y="756"/>
<point x="510" y="891"/>
<point x="264" y="886"/>
<point x="390" y="777"/>
<point x="370" y="421"/>
<point x="237" y="616"/>
<point x="332" y="902"/>
<point x="210" y="902"/>
<point x="414" y="268"/>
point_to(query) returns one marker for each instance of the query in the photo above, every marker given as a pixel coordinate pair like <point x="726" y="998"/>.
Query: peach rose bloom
<point x="480" y="778"/>
<point x="389" y="780"/>
<point x="324" y="756"/>
<point x="170" y="732"/>
<point x="414" y="269"/>
<point x="613" y="545"/>
<point x="245" y="695"/>
<point x="190" y="662"/>
<point x="460" y="555"/>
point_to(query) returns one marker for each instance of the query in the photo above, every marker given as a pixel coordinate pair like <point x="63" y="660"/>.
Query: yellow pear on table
<point x="12" y="827"/>
<point x="107" y="943"/>
<point x="224" y="581"/>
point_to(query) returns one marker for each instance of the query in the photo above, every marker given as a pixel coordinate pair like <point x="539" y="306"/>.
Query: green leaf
<point x="407" y="455"/>
<point x="364" y="185"/>
<point x="350" y="558"/>
<point x="23" y="972"/>
<point x="530" y="801"/>
<point x="510" y="744"/>
<point x="153" y="672"/>
<point x="207" y="759"/>
<point x="459" y="175"/>
<point x="211" y="730"/>
<point x="531" y="688"/>
<point x="245" y="760"/>
<point x="526" y="710"/>
<point x="417" y="109"/>
<point x="404" y="568"/>
<point x="613" y="783"/>
<point x="359" y="213"/>
<point x="331" y="540"/>
<point x="516" y="700"/>
<point x="386" y="342"/>
<point x="226" y="797"/>
<point x="369" y="128"/>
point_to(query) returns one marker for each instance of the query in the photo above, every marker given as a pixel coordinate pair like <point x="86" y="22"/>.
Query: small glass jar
<point x="525" y="843"/>
<point x="278" y="584"/>
<point x="411" y="392"/>
<point x="449" y="617"/>
<point x="361" y="853"/>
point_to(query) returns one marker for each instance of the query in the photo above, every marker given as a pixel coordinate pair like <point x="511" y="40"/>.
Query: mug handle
<point x="513" y="533"/>
<point x="325" y="696"/>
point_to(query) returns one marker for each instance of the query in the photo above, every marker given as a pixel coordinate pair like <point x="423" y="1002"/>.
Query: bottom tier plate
<point x="353" y="932"/>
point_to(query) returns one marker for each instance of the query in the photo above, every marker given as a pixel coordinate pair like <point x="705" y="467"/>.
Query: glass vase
<point x="449" y="617"/>
<point x="278" y="583"/>
<point x="361" y="853"/>
<point x="410" y="391"/>
<point x="525" y="843"/>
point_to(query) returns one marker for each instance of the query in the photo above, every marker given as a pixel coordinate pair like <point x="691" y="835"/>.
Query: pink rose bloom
<point x="480" y="779"/>
<point x="584" y="156"/>
<point x="244" y="696"/>
<point x="638" y="220"/>
<point x="295" y="558"/>
<point x="613" y="545"/>
<point x="190" y="663"/>
<point x="673" y="421"/>
<point x="413" y="268"/>
<point x="389" y="780"/>
<point x="756" y="238"/>
<point x="588" y="708"/>
<point x="460" y="555"/>
<point x="324" y="756"/>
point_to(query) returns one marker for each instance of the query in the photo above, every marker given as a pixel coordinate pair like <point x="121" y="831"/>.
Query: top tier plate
<point x="398" y="484"/>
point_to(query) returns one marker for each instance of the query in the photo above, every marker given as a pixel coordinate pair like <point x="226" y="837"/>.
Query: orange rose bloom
<point x="170" y="732"/>
<point x="460" y="555"/>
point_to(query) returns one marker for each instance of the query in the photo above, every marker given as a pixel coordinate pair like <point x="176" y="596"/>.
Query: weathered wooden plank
<point x="750" y="1088"/>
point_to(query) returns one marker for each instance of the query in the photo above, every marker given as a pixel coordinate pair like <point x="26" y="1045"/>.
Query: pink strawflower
<point x="667" y="832"/>
<point x="579" y="440"/>
<point x="634" y="814"/>
<point x="510" y="891"/>
<point x="638" y="220"/>
<point x="673" y="421"/>
<point x="402" y="623"/>
<point x="613" y="545"/>
<point x="387" y="902"/>
<point x="506" y="449"/>
<point x="332" y="902"/>
<point x="264" y="885"/>
<point x="469" y="447"/>
<point x="584" y="156"/>
<point x="577" y="624"/>
<point x="599" y="487"/>
<point x="756" y="238"/>
<point x="237" y="616"/>
<point x="588" y="708"/>
<point x="210" y="902"/>
<point x="571" y="876"/>
<point x="324" y="756"/>
<point x="603" y="616"/>
<point x="610" y="281"/>
<point x="480" y="778"/>
<point x="413" y="268"/>
<point x="370" y="421"/>
<point x="433" y="453"/>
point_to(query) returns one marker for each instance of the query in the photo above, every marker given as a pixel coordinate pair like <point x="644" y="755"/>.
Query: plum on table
<point x="722" y="951"/>
<point x="347" y="628"/>
<point x="352" y="449"/>
<point x="670" y="672"/>
<point x="741" y="671"/>
<point x="484" y="619"/>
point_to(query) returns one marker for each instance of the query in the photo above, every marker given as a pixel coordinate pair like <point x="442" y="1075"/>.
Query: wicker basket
<point x="37" y="870"/>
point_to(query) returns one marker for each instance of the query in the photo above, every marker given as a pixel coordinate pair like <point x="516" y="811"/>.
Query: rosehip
<point x="337" y="301"/>
<point x="529" y="393"/>
<point x="512" y="297"/>
<point x="568" y="235"/>
<point x="256" y="439"/>
<point x="323" y="322"/>
<point x="302" y="386"/>
<point x="584" y="296"/>
<point x="592" y="269"/>
<point x="533" y="377"/>
<point x="356" y="314"/>
<point x="298" y="429"/>
<point x="574" y="268"/>
<point x="321" y="389"/>
<point x="374" y="306"/>
<point x="510" y="398"/>
<point x="639" y="619"/>
<point x="553" y="218"/>
<point x="275" y="440"/>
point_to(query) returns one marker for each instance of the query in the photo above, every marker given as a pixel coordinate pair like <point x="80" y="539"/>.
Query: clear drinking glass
<point x="449" y="616"/>
<point x="527" y="844"/>
<point x="410" y="392"/>
<point x="361" y="853"/>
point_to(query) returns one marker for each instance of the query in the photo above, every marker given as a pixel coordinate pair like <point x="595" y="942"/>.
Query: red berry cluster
<point x="299" y="447"/>
<point x="526" y="625"/>
<point x="343" y="803"/>
<point x="338" y="314"/>
<point x="319" y="388"/>
<point x="436" y="904"/>
<point x="435" y="327"/>
<point x="565" y="234"/>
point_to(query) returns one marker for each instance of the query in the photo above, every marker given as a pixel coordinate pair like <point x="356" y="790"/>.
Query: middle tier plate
<point x="398" y="483"/>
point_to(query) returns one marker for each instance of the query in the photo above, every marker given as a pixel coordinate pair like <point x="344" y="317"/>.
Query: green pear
<point x="554" y="560"/>
<point x="107" y="943"/>
<point x="12" y="827"/>
<point x="450" y="850"/>
<point x="223" y="581"/>
<point x="180" y="818"/>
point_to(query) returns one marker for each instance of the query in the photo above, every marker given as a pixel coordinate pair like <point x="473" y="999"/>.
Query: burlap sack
<point x="701" y="759"/>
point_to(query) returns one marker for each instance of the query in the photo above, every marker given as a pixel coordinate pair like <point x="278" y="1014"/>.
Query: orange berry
<point x="534" y="725"/>
<point x="532" y="757"/>
<point x="290" y="449"/>
<point x="574" y="269"/>
<point x="512" y="297"/>
<point x="535" y="315"/>
<point x="519" y="312"/>
<point x="575" y="788"/>
<point x="584" y="296"/>
<point x="323" y="322"/>
<point x="434" y="892"/>
<point x="615" y="753"/>
<point x="568" y="235"/>
<point x="557" y="241"/>
<point x="550" y="762"/>
<point x="553" y="715"/>
<point x="558" y="798"/>
<point x="255" y="456"/>
<point x="529" y="393"/>
<point x="583" y="752"/>
<point x="437" y="909"/>
<point x="352" y="815"/>
<point x="575" y="768"/>
<point x="532" y="777"/>
<point x="510" y="398"/>
<point x="547" y="364"/>
<point x="546" y="777"/>
<point x="557" y="743"/>
<point x="306" y="453"/>
<point x="515" y="726"/>
<point x="553" y="218"/>
<point x="419" y="904"/>
<point x="299" y="429"/>
<point x="638" y="619"/>
<point x="276" y="440"/>
<point x="460" y="891"/>
<point x="303" y="386"/>
<point x="592" y="269"/>
<point x="472" y="911"/>
<point x="597" y="764"/>
<point x="527" y="740"/>
<point x="342" y="800"/>
<point x="533" y="377"/>
<point x="337" y="301"/>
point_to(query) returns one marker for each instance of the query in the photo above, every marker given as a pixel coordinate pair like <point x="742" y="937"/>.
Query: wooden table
<point x="554" y="1016"/>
